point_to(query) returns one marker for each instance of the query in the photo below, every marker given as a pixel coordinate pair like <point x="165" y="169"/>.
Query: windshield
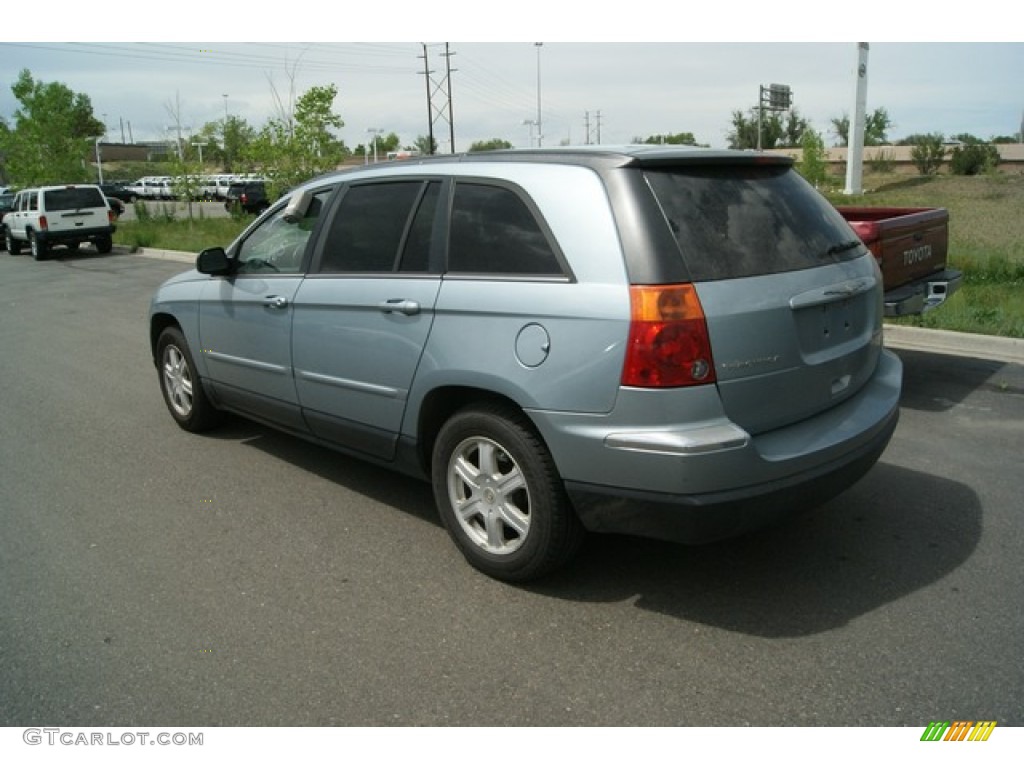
<point x="742" y="220"/>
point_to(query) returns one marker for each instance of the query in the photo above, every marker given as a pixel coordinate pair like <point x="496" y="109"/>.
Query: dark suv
<point x="684" y="344"/>
<point x="248" y="196"/>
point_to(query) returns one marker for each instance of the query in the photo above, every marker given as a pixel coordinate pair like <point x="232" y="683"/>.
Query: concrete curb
<point x="154" y="253"/>
<point x="999" y="348"/>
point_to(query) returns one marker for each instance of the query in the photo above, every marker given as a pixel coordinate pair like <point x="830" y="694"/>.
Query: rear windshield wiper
<point x="841" y="247"/>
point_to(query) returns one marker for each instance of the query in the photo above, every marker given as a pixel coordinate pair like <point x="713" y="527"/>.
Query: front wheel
<point x="500" y="496"/>
<point x="13" y="246"/>
<point x="182" y="390"/>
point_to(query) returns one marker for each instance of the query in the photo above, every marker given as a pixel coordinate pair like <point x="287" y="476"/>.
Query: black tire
<point x="516" y="523"/>
<point x="37" y="247"/>
<point x="13" y="246"/>
<point x="104" y="244"/>
<point x="180" y="385"/>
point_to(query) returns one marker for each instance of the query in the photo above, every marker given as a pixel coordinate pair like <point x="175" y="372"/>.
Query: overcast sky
<point x="629" y="89"/>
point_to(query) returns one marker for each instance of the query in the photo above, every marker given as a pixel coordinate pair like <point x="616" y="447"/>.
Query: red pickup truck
<point x="910" y="245"/>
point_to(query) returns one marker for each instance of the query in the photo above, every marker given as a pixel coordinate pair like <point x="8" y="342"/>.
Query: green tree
<point x="292" y="148"/>
<point x="685" y="139"/>
<point x="744" y="130"/>
<point x="225" y="142"/>
<point x="484" y="146"/>
<point x="794" y="127"/>
<point x="53" y="134"/>
<point x="876" y="128"/>
<point x="813" y="164"/>
<point x="426" y="145"/>
<point x="927" y="153"/>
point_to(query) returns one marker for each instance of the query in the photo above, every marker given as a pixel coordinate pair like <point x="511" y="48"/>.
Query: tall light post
<point x="375" y="132"/>
<point x="540" y="124"/>
<point x="530" y="123"/>
<point x="224" y="135"/>
<point x="99" y="159"/>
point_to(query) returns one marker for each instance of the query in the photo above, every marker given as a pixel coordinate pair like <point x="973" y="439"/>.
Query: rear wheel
<point x="104" y="244"/>
<point x="182" y="390"/>
<point x="37" y="247"/>
<point x="500" y="496"/>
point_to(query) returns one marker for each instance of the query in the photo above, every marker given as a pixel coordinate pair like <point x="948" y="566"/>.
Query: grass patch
<point x="173" y="234"/>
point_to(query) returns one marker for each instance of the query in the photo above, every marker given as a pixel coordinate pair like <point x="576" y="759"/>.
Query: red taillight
<point x="242" y="198"/>
<point x="668" y="338"/>
<point x="110" y="215"/>
<point x="42" y="223"/>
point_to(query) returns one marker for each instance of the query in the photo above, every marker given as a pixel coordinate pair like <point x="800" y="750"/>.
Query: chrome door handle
<point x="405" y="306"/>
<point x="275" y="302"/>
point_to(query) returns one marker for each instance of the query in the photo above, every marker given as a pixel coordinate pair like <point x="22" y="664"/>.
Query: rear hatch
<point x="71" y="208"/>
<point x="792" y="298"/>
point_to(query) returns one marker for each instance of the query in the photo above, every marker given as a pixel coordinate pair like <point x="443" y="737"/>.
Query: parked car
<point x="6" y="203"/>
<point x="118" y="191"/>
<point x="247" y="196"/>
<point x="67" y="215"/>
<point x="682" y="344"/>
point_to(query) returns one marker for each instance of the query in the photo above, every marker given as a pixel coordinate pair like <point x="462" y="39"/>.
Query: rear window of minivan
<point x="74" y="198"/>
<point x="733" y="221"/>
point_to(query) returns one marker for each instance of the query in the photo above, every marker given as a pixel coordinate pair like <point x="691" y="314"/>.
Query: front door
<point x="245" y="320"/>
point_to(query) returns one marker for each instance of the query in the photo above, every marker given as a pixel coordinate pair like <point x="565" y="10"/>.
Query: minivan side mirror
<point x="213" y="261"/>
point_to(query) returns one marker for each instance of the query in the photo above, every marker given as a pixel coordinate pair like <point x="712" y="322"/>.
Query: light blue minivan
<point x="677" y="343"/>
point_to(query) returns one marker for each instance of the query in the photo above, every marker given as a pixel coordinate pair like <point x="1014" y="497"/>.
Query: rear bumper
<point x="708" y="479"/>
<point x="922" y="295"/>
<point x="50" y="237"/>
<point x="707" y="517"/>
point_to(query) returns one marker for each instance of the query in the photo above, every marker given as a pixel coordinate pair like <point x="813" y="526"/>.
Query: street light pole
<point x="375" y="132"/>
<point x="99" y="159"/>
<point x="540" y="130"/>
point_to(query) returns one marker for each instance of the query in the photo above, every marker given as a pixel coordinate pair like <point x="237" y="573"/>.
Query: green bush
<point x="972" y="159"/>
<point x="928" y="153"/>
<point x="883" y="162"/>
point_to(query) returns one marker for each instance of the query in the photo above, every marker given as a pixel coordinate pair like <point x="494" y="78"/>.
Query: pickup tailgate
<point x="909" y="243"/>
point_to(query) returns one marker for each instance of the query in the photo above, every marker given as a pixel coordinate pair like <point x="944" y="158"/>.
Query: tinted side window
<point x="416" y="252"/>
<point x="744" y="220"/>
<point x="494" y="232"/>
<point x="369" y="227"/>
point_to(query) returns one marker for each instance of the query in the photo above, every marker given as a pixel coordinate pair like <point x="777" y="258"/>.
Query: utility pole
<point x="439" y="96"/>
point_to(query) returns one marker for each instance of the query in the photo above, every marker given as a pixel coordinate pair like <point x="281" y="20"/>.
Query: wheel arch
<point x="441" y="403"/>
<point x="158" y="323"/>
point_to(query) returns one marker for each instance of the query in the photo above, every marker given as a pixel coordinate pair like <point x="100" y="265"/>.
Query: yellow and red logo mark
<point x="959" y="730"/>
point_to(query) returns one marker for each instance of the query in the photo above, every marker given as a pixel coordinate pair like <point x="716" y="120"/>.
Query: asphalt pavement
<point x="245" y="577"/>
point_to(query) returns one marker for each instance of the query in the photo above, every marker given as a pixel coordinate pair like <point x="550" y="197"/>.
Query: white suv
<point x="67" y="215"/>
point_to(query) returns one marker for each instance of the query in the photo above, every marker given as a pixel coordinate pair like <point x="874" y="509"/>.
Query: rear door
<point x="791" y="296"/>
<point x="363" y="315"/>
<point x="72" y="208"/>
